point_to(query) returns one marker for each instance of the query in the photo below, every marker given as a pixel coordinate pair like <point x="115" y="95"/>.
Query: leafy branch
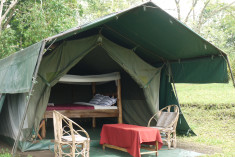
<point x="4" y="15"/>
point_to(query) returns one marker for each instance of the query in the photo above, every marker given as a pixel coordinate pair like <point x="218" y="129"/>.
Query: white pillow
<point x="106" y="101"/>
<point x="96" y="99"/>
<point x="50" y="104"/>
<point x="114" y="100"/>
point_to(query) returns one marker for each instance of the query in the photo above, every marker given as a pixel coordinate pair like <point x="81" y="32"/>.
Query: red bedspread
<point x="69" y="107"/>
<point x="129" y="137"/>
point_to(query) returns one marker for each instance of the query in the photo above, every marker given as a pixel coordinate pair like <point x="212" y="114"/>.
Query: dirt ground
<point x="200" y="148"/>
<point x="180" y="144"/>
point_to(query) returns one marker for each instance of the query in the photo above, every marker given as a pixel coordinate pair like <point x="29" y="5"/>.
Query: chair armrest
<point x="81" y="129"/>
<point x="153" y="117"/>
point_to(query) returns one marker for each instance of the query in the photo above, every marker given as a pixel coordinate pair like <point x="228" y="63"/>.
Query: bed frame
<point x="99" y="113"/>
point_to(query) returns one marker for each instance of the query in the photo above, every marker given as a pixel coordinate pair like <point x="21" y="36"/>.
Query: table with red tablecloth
<point x="130" y="137"/>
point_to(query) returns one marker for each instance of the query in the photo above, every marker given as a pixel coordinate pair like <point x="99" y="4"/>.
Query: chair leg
<point x="88" y="148"/>
<point x="55" y="150"/>
<point x="83" y="149"/>
<point x="58" y="150"/>
<point x="73" y="150"/>
<point x="169" y="140"/>
<point x="174" y="140"/>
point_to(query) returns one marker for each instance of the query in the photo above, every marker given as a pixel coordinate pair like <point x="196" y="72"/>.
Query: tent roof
<point x="151" y="32"/>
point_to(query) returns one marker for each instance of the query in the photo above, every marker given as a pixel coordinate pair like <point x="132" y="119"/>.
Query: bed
<point x="85" y="109"/>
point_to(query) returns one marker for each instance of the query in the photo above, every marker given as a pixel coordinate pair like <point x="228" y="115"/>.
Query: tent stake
<point x="27" y="103"/>
<point x="230" y="69"/>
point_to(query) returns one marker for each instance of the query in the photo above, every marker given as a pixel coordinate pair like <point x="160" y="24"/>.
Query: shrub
<point x="5" y="153"/>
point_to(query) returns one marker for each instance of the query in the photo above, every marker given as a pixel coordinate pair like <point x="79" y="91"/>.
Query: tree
<point x="7" y="8"/>
<point x="29" y="21"/>
<point x="34" y="20"/>
<point x="220" y="29"/>
<point x="212" y="19"/>
<point x="206" y="10"/>
<point x="98" y="8"/>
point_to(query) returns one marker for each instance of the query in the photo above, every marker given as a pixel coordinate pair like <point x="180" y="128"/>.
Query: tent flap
<point x="204" y="70"/>
<point x="147" y="76"/>
<point x="12" y="113"/>
<point x="167" y="97"/>
<point x="39" y="145"/>
<point x="53" y="66"/>
<point x="16" y="71"/>
<point x="2" y="98"/>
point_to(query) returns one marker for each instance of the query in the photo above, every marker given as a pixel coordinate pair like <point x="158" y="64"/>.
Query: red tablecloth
<point x="129" y="137"/>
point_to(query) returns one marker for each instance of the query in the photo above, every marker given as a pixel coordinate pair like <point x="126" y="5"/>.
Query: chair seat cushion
<point x="166" y="118"/>
<point x="78" y="138"/>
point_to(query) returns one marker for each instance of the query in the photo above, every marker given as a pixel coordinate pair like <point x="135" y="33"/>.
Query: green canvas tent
<point x="149" y="48"/>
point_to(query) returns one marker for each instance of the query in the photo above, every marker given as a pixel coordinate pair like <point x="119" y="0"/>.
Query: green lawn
<point x="206" y="94"/>
<point x="5" y="153"/>
<point x="210" y="112"/>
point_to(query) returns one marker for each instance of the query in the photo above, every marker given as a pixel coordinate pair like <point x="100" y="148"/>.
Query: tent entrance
<point x="68" y="54"/>
<point x="99" y="62"/>
<point x="134" y="104"/>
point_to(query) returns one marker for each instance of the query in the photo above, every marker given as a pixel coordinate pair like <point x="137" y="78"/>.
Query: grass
<point x="210" y="112"/>
<point x="5" y="153"/>
<point x="206" y="94"/>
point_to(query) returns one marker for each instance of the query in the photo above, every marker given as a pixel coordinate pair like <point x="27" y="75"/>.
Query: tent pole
<point x="175" y="91"/>
<point x="230" y="69"/>
<point x="119" y="103"/>
<point x="93" y="93"/>
<point x="171" y="78"/>
<point x="174" y="88"/>
<point x="14" y="149"/>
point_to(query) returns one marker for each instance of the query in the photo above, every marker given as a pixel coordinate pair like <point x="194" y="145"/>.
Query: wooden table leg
<point x="93" y="122"/>
<point x="39" y="136"/>
<point x="43" y="127"/>
<point x="157" y="148"/>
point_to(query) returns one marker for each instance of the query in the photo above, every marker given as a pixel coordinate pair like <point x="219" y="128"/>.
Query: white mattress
<point x="96" y="106"/>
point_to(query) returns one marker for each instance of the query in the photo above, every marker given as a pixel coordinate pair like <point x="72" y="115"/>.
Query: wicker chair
<point x="166" y="123"/>
<point x="68" y="141"/>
